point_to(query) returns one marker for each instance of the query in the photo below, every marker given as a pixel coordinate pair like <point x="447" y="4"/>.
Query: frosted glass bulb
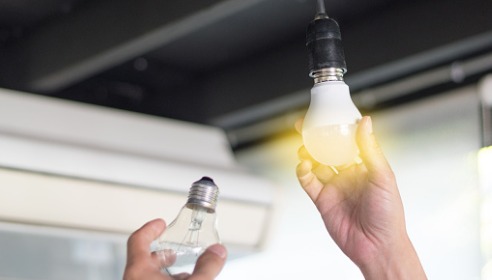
<point x="192" y="231"/>
<point x="330" y="124"/>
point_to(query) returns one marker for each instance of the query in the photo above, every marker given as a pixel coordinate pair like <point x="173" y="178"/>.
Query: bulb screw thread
<point x="203" y="193"/>
<point x="327" y="74"/>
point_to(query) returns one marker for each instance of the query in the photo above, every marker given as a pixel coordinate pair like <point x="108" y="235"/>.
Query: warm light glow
<point x="332" y="145"/>
<point x="330" y="123"/>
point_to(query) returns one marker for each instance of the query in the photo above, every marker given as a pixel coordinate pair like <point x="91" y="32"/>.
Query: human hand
<point x="141" y="264"/>
<point x="362" y="210"/>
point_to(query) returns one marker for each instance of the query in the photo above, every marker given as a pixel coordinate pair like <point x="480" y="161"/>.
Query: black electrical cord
<point x="320" y="7"/>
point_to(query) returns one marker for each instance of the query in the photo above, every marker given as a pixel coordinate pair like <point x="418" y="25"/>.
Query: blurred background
<point x="109" y="110"/>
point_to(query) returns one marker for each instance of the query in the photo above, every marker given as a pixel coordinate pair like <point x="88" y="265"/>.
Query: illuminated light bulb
<point x="192" y="231"/>
<point x="330" y="123"/>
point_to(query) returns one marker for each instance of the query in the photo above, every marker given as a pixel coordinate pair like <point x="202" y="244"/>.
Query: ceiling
<point x="237" y="64"/>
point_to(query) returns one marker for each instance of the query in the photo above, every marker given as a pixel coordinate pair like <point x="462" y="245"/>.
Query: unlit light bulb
<point x="330" y="124"/>
<point x="193" y="230"/>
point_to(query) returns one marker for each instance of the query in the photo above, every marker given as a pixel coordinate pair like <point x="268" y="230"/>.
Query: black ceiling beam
<point x="405" y="38"/>
<point x="100" y="35"/>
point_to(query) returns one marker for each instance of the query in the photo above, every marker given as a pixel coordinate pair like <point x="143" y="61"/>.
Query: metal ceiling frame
<point x="76" y="47"/>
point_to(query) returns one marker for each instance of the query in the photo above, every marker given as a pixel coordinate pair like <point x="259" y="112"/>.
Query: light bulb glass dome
<point x="330" y="124"/>
<point x="193" y="230"/>
<point x="187" y="237"/>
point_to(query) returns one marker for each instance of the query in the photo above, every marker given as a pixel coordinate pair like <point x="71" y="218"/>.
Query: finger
<point x="303" y="172"/>
<point x="308" y="180"/>
<point x="303" y="154"/>
<point x="210" y="263"/>
<point x="325" y="173"/>
<point x="370" y="151"/>
<point x="139" y="242"/>
<point x="298" y="125"/>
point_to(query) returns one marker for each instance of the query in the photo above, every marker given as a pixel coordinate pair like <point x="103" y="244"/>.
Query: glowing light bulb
<point x="330" y="123"/>
<point x="192" y="231"/>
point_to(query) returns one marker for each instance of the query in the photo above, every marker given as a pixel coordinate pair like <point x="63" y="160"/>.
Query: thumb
<point x="370" y="151"/>
<point x="210" y="263"/>
<point x="139" y="242"/>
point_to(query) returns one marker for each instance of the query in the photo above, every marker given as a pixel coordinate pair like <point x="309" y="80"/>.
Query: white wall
<point x="432" y="147"/>
<point x="77" y="179"/>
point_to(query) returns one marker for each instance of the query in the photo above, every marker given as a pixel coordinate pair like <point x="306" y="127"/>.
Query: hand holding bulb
<point x="142" y="264"/>
<point x="362" y="210"/>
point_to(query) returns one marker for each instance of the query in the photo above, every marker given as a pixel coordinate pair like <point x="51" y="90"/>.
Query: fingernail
<point x="219" y="250"/>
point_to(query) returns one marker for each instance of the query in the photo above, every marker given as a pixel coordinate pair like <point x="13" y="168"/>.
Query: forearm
<point x="398" y="262"/>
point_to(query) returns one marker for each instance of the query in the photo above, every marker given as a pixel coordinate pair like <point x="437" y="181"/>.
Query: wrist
<point x="398" y="261"/>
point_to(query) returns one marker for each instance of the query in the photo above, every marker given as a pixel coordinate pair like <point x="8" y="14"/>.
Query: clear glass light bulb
<point x="330" y="124"/>
<point x="193" y="230"/>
